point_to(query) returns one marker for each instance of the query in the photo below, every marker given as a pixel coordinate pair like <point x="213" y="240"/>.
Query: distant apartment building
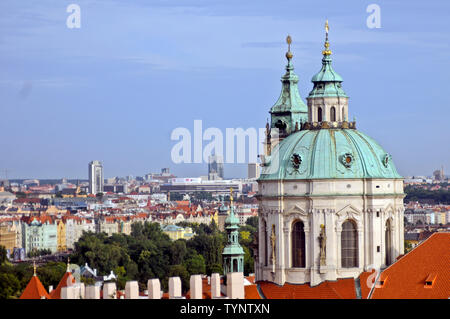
<point x="419" y="216"/>
<point x="253" y="171"/>
<point x="61" y="236"/>
<point x="39" y="233"/>
<point x="192" y="185"/>
<point x="74" y="229"/>
<point x="95" y="177"/>
<point x="7" y="238"/>
<point x="177" y="232"/>
<point x="243" y="213"/>
<point x="117" y="188"/>
<point x="107" y="225"/>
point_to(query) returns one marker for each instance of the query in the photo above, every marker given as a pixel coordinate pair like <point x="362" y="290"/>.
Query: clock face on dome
<point x="386" y="160"/>
<point x="296" y="160"/>
<point x="347" y="159"/>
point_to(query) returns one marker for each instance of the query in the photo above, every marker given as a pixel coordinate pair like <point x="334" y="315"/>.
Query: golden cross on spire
<point x="231" y="195"/>
<point x="68" y="261"/>
<point x="34" y="268"/>
<point x="327" y="51"/>
<point x="289" y="54"/>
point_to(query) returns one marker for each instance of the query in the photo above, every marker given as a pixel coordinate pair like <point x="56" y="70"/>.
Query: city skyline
<point x="102" y="93"/>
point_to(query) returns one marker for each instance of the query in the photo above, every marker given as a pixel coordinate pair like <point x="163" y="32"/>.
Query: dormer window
<point x="430" y="280"/>
<point x="382" y="281"/>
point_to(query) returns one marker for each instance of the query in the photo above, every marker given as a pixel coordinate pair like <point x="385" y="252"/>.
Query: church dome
<point x="328" y="154"/>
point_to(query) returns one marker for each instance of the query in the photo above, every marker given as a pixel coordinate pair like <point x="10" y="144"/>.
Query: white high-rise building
<point x="95" y="177"/>
<point x="215" y="167"/>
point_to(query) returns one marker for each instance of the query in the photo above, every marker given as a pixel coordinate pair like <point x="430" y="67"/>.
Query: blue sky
<point x="115" y="89"/>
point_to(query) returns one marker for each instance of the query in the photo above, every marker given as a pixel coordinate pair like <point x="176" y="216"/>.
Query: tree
<point x="252" y="221"/>
<point x="9" y="286"/>
<point x="3" y="254"/>
<point x="195" y="263"/>
<point x="51" y="273"/>
<point x="215" y="268"/>
<point x="178" y="251"/>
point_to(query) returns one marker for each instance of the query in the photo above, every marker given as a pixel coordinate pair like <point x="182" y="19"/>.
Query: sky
<point x="114" y="89"/>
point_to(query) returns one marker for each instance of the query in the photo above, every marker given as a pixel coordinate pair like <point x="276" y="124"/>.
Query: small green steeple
<point x="289" y="111"/>
<point x="233" y="254"/>
<point x="327" y="83"/>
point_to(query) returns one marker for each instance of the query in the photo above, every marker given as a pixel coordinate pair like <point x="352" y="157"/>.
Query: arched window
<point x="343" y="114"/>
<point x="388" y="243"/>
<point x="349" y="245"/>
<point x="266" y="257"/>
<point x="333" y="114"/>
<point x="298" y="245"/>
<point x="319" y="115"/>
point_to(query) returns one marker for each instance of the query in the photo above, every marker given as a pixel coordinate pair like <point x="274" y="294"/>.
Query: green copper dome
<point x="328" y="154"/>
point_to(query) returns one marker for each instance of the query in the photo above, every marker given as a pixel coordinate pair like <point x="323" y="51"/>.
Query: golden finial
<point x="327" y="51"/>
<point x="231" y="195"/>
<point x="68" y="261"/>
<point x="34" y="268"/>
<point x="289" y="54"/>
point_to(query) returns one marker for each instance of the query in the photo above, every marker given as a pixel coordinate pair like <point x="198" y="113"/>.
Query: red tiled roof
<point x="56" y="293"/>
<point x="340" y="289"/>
<point x="34" y="290"/>
<point x="406" y="278"/>
<point x="251" y="292"/>
<point x="366" y="286"/>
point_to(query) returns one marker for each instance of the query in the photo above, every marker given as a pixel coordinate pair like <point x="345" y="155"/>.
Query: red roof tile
<point x="406" y="278"/>
<point x="340" y="289"/>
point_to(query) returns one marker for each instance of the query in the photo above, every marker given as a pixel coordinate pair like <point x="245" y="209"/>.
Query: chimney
<point x="174" y="287"/>
<point x="235" y="285"/>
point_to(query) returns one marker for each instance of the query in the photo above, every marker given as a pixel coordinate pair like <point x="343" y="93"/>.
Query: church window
<point x="333" y="114"/>
<point x="266" y="255"/>
<point x="298" y="245"/>
<point x="388" y="243"/>
<point x="349" y="245"/>
<point x="319" y="115"/>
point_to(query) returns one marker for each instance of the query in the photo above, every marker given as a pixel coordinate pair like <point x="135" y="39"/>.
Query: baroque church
<point x="330" y="197"/>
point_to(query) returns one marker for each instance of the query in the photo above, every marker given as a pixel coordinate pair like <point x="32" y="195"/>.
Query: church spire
<point x="289" y="111"/>
<point x="327" y="101"/>
<point x="327" y="50"/>
<point x="233" y="254"/>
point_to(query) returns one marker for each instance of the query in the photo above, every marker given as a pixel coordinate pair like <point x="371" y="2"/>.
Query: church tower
<point x="330" y="198"/>
<point x="233" y="254"/>
<point x="327" y="102"/>
<point x="289" y="112"/>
